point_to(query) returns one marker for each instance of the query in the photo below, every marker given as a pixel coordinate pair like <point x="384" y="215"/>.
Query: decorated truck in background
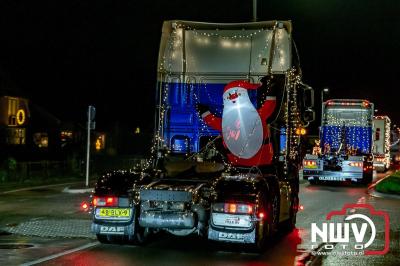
<point x="381" y="147"/>
<point x="191" y="184"/>
<point x="345" y="148"/>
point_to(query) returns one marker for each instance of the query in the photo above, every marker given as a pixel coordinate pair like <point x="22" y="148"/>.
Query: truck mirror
<point x="308" y="96"/>
<point x="309" y="115"/>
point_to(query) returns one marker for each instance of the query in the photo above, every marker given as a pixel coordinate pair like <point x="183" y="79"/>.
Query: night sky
<point x="64" y="55"/>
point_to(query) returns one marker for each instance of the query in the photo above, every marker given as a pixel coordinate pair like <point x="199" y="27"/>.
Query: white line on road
<point x="51" y="257"/>
<point x="38" y="187"/>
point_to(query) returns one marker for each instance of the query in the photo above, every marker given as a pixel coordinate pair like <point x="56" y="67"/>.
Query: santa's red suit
<point x="244" y="129"/>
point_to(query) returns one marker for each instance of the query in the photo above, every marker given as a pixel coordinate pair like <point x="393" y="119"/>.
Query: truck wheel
<point x="290" y="223"/>
<point x="261" y="236"/>
<point x="110" y="239"/>
<point x="367" y="178"/>
<point x="274" y="221"/>
<point x="140" y="236"/>
<point x="266" y="228"/>
<point x="102" y="239"/>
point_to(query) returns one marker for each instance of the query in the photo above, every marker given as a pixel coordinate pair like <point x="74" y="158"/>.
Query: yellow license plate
<point x="310" y="167"/>
<point x="109" y="212"/>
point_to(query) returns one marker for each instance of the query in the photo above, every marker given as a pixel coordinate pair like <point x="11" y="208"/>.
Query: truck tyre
<point x="274" y="221"/>
<point x="367" y="178"/>
<point x="261" y="236"/>
<point x="140" y="236"/>
<point x="102" y="239"/>
<point x="312" y="182"/>
<point x="290" y="223"/>
<point x="266" y="228"/>
<point x="110" y="239"/>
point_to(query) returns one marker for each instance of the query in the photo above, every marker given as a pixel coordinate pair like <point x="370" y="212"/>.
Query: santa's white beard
<point x="242" y="128"/>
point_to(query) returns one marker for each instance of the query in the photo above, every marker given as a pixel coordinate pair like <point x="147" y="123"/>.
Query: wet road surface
<point x="165" y="249"/>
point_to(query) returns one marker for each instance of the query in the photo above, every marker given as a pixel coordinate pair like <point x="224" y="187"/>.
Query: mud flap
<point x="232" y="237"/>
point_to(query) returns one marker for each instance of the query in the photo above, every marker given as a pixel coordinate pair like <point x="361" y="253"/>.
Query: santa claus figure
<point x="244" y="128"/>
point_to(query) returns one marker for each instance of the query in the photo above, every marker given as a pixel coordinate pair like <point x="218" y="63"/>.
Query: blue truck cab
<point x="345" y="152"/>
<point x="196" y="61"/>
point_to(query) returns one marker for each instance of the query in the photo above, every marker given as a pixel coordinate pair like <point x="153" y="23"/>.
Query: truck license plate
<point x="223" y="219"/>
<point x="310" y="167"/>
<point x="332" y="178"/>
<point x="113" y="212"/>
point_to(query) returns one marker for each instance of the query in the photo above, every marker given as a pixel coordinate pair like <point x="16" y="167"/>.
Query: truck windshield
<point x="349" y="117"/>
<point x="347" y="128"/>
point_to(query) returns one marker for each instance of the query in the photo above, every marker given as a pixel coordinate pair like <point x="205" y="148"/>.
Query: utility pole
<point x="90" y="125"/>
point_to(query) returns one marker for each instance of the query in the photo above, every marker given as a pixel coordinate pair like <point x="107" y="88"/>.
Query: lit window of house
<point x="100" y="143"/>
<point x="16" y="136"/>
<point x="12" y="111"/>
<point x="41" y="140"/>
<point x="66" y="135"/>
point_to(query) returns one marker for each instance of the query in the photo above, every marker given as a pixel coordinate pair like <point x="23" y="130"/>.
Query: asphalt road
<point x="164" y="249"/>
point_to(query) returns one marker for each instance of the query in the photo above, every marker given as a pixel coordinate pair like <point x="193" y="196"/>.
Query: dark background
<point x="65" y="55"/>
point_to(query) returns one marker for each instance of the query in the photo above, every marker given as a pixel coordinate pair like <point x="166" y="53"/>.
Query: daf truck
<point x="190" y="185"/>
<point x="345" y="152"/>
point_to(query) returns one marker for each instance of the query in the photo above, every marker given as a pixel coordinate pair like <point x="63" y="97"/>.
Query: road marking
<point x="51" y="257"/>
<point x="38" y="187"/>
<point x="361" y="200"/>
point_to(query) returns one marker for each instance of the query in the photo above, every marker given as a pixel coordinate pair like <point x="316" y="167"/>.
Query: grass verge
<point x="390" y="184"/>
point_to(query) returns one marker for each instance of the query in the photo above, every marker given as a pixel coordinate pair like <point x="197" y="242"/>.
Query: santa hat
<point x="242" y="84"/>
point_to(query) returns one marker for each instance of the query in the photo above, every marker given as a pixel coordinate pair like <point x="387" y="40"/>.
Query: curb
<point x="77" y="190"/>
<point x="372" y="191"/>
<point x="309" y="257"/>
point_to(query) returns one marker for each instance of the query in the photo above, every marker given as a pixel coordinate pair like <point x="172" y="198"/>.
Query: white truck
<point x="381" y="147"/>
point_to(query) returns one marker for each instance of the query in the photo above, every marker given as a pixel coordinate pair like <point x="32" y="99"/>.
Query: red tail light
<point x="238" y="208"/>
<point x="110" y="200"/>
<point x="105" y="201"/>
<point x="366" y="104"/>
<point x="261" y="215"/>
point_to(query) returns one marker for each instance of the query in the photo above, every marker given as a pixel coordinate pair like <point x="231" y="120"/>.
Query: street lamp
<point x="254" y="10"/>
<point x="323" y="91"/>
